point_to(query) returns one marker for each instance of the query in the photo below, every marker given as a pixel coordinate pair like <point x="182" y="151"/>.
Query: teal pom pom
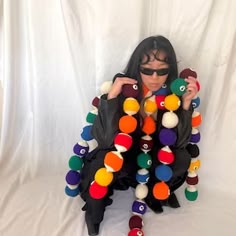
<point x="191" y="193"/>
<point x="144" y="160"/>
<point x="178" y="86"/>
<point x="91" y="116"/>
<point x="75" y="163"/>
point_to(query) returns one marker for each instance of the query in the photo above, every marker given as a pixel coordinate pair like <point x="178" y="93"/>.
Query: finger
<point x="190" y="80"/>
<point x="126" y="80"/>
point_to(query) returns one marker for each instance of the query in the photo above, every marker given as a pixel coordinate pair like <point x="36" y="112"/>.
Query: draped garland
<point x="113" y="160"/>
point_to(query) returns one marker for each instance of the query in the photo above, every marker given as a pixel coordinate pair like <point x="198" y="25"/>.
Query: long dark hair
<point x="159" y="43"/>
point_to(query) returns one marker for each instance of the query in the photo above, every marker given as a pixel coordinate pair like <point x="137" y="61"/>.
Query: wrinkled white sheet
<point x="55" y="56"/>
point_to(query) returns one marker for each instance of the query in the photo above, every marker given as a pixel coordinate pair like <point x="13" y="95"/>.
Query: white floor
<point x="40" y="208"/>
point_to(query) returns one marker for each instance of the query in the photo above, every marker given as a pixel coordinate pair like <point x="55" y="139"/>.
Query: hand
<point x="117" y="86"/>
<point x="191" y="92"/>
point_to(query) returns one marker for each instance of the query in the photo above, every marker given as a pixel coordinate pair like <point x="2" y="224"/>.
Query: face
<point x="154" y="73"/>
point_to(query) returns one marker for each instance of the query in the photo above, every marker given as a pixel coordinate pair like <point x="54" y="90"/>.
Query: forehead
<point x="155" y="55"/>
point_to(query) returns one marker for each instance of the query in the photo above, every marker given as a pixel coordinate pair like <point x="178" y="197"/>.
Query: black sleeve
<point x="184" y="127"/>
<point x="106" y="124"/>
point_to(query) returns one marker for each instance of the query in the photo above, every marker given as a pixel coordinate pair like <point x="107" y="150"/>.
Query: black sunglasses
<point x="160" y="72"/>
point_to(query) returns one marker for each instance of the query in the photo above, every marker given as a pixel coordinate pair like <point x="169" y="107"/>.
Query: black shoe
<point x="93" y="229"/>
<point x="154" y="204"/>
<point x="172" y="201"/>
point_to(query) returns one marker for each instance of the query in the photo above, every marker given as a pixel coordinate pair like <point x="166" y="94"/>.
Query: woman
<point x="152" y="64"/>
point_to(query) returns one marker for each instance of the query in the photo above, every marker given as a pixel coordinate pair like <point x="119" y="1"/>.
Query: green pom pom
<point x="144" y="160"/>
<point x="191" y="194"/>
<point x="178" y="86"/>
<point x="91" y="116"/>
<point x="75" y="163"/>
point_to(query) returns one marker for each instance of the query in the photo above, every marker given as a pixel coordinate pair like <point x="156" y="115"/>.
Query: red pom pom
<point x="135" y="222"/>
<point x="187" y="72"/>
<point x="135" y="232"/>
<point x="97" y="191"/>
<point x="130" y="90"/>
<point x="123" y="142"/>
<point x="165" y="155"/>
<point x="95" y="102"/>
<point x="160" y="102"/>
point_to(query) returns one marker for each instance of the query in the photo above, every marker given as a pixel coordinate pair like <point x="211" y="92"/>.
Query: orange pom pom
<point x="149" y="125"/>
<point x="196" y="119"/>
<point x="113" y="161"/>
<point x="127" y="124"/>
<point x="161" y="191"/>
<point x="172" y="102"/>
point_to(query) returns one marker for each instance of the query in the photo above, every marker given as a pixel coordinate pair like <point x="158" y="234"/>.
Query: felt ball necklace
<point x="113" y="160"/>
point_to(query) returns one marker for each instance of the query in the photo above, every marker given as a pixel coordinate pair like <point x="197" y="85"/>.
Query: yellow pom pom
<point x="150" y="106"/>
<point x="172" y="102"/>
<point x="194" y="165"/>
<point x="161" y="191"/>
<point x="131" y="106"/>
<point x="103" y="177"/>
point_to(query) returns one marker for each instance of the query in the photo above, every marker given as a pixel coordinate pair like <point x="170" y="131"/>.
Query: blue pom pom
<point x="139" y="207"/>
<point x="163" y="173"/>
<point x="142" y="176"/>
<point x="72" y="192"/>
<point x="162" y="91"/>
<point x="86" y="134"/>
<point x="196" y="102"/>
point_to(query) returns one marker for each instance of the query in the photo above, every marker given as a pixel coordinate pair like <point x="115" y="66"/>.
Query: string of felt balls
<point x="144" y="161"/>
<point x="113" y="160"/>
<point x="82" y="148"/>
<point x="191" y="191"/>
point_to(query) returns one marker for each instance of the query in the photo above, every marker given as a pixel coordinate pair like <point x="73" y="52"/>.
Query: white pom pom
<point x="105" y="87"/>
<point x="72" y="187"/>
<point x="170" y="120"/>
<point x="141" y="191"/>
<point x="92" y="144"/>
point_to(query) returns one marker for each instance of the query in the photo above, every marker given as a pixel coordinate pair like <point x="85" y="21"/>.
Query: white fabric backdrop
<point x="55" y="56"/>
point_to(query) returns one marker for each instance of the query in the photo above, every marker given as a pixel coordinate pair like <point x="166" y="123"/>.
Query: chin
<point x="154" y="88"/>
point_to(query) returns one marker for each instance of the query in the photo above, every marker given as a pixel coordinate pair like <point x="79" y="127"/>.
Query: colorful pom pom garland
<point x="113" y="160"/>
<point x="82" y="148"/>
<point x="191" y="192"/>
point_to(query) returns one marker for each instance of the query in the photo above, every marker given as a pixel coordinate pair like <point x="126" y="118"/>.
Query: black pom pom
<point x="193" y="150"/>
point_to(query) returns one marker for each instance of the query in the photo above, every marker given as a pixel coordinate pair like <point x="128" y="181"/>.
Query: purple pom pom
<point x="167" y="137"/>
<point x="81" y="149"/>
<point x="195" y="138"/>
<point x="73" y="177"/>
<point x="139" y="207"/>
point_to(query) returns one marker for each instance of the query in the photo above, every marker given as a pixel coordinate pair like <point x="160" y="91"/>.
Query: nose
<point x="155" y="75"/>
